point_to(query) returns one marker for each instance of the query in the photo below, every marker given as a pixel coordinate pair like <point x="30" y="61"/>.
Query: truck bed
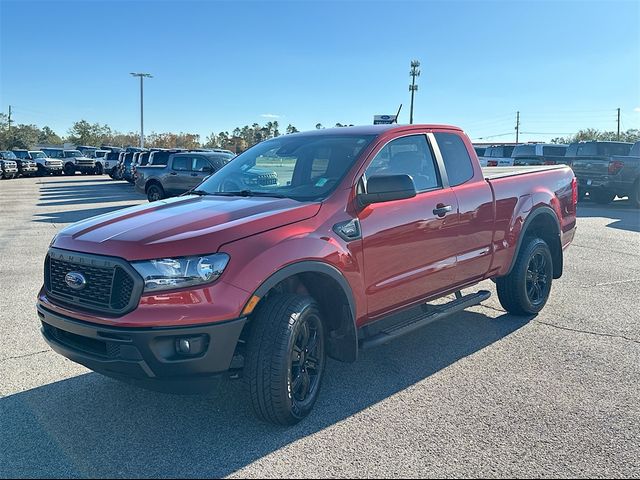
<point x="491" y="173"/>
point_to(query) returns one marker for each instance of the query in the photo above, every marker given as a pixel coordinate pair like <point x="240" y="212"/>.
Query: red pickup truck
<point x="364" y="226"/>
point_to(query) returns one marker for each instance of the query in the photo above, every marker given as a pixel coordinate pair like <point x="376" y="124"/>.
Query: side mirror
<point x="385" y="188"/>
<point x="207" y="169"/>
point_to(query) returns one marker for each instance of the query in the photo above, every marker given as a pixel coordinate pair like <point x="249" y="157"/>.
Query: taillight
<point x="574" y="191"/>
<point x="615" y="166"/>
<point x="492" y="163"/>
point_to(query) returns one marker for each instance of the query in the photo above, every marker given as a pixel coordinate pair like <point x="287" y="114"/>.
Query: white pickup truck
<point x="497" y="156"/>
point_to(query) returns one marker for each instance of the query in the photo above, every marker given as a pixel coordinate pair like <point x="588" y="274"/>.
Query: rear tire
<point x="526" y="289"/>
<point x="285" y="358"/>
<point x="602" y="197"/>
<point x="634" y="197"/>
<point x="155" y="192"/>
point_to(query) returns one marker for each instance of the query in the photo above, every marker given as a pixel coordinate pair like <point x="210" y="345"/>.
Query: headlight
<point x="170" y="273"/>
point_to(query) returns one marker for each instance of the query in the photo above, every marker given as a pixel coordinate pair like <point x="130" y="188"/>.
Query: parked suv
<point x="110" y="162"/>
<point x="8" y="164"/>
<point x="26" y="166"/>
<point x="99" y="157"/>
<point x="184" y="171"/>
<point x="74" y="161"/>
<point x="45" y="164"/>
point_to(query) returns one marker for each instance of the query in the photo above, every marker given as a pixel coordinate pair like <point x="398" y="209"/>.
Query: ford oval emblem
<point x="75" y="280"/>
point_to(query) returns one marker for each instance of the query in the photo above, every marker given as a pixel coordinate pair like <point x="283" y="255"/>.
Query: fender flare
<point x="541" y="210"/>
<point x="349" y="344"/>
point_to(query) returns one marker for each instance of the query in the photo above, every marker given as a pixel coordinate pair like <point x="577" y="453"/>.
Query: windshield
<point x="297" y="167"/>
<point x="72" y="153"/>
<point x="38" y="155"/>
<point x="8" y="155"/>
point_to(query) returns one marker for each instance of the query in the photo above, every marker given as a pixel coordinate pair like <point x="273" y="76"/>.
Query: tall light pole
<point x="142" y="77"/>
<point x="413" y="87"/>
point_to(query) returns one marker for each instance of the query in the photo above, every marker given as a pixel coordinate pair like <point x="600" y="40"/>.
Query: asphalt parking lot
<point x="484" y="394"/>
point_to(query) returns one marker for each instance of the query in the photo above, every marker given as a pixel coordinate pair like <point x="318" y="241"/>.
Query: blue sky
<point x="218" y="65"/>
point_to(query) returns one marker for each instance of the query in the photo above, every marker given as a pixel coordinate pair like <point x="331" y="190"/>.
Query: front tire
<point x="155" y="192"/>
<point x="526" y="289"/>
<point x="285" y="358"/>
<point x="99" y="170"/>
<point x="634" y="197"/>
<point x="69" y="169"/>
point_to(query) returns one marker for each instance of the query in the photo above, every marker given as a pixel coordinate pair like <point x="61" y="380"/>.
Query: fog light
<point x="183" y="346"/>
<point x="192" y="346"/>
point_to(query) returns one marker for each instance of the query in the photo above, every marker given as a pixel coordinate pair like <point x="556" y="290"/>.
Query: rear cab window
<point x="524" y="151"/>
<point x="181" y="163"/>
<point x="554" y="151"/>
<point x="457" y="161"/>
<point x="159" y="158"/>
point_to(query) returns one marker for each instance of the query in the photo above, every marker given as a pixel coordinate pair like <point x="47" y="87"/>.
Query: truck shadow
<point x="91" y="426"/>
<point x="72" y="193"/>
<point x="623" y="214"/>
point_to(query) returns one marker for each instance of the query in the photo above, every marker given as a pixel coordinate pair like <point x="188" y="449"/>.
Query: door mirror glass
<point x="385" y="188"/>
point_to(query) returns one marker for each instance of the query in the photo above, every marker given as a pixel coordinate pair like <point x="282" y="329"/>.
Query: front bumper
<point x="29" y="170"/>
<point x="10" y="171"/>
<point x="53" y="168"/>
<point x="85" y="168"/>
<point x="148" y="357"/>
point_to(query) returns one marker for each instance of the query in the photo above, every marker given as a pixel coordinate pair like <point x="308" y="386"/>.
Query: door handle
<point x="194" y="174"/>
<point x="441" y="210"/>
<point x="173" y="173"/>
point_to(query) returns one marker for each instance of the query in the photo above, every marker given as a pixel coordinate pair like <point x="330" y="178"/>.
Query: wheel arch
<point x="152" y="181"/>
<point x="542" y="222"/>
<point x="326" y="284"/>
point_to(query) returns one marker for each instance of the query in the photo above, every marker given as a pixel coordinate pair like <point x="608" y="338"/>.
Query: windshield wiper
<point x="197" y="192"/>
<point x="249" y="193"/>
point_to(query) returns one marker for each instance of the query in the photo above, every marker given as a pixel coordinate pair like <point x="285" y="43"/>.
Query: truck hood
<point x="181" y="226"/>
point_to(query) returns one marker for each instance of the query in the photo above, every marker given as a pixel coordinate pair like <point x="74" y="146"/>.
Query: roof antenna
<point x="398" y="114"/>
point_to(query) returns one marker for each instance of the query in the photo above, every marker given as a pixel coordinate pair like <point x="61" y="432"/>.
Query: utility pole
<point x="9" y="122"/>
<point x="517" y="126"/>
<point x="413" y="87"/>
<point x="618" y="137"/>
<point x="142" y="77"/>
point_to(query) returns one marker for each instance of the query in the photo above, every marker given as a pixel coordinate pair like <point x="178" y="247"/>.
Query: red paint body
<point x="406" y="255"/>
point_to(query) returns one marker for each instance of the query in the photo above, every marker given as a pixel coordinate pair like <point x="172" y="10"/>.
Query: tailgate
<point x="592" y="167"/>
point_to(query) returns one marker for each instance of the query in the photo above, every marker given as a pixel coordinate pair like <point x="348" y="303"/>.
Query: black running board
<point x="437" y="312"/>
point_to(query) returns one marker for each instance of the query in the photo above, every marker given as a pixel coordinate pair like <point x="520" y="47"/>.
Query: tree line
<point x="237" y="140"/>
<point x="85" y="133"/>
<point x="631" y="135"/>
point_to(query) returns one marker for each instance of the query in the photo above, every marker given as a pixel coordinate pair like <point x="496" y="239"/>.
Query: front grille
<point x="107" y="289"/>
